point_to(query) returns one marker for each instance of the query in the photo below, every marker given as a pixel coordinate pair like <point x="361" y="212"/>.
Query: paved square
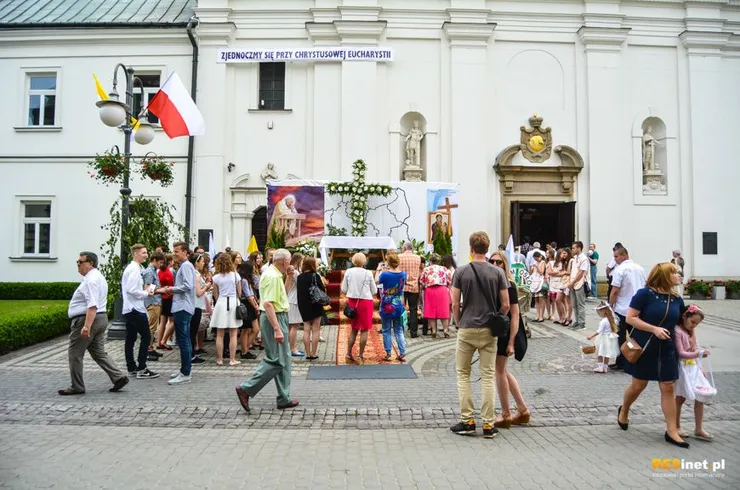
<point x="354" y="433"/>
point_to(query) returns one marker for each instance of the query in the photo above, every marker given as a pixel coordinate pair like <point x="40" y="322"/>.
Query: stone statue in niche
<point x="269" y="172"/>
<point x="648" y="150"/>
<point x="653" y="180"/>
<point x="413" y="171"/>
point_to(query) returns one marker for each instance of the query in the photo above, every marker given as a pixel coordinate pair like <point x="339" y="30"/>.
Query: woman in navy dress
<point x="653" y="314"/>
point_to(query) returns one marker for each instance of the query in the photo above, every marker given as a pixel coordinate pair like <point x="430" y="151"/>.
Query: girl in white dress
<point x="607" y="345"/>
<point x="227" y="290"/>
<point x="295" y="321"/>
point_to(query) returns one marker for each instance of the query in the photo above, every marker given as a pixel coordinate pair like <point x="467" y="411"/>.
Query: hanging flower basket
<point x="158" y="169"/>
<point x="108" y="168"/>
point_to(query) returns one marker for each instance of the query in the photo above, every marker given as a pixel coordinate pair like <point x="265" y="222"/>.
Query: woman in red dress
<point x="359" y="288"/>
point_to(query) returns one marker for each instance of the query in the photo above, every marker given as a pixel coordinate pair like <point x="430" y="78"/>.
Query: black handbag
<point x="497" y="322"/>
<point x="241" y="310"/>
<point x="350" y="312"/>
<point x="318" y="296"/>
<point x="520" y="341"/>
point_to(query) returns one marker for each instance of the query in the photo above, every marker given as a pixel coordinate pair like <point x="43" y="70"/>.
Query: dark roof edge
<point x="90" y="25"/>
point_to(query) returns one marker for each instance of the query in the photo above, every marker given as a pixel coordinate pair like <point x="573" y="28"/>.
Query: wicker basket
<point x="589" y="349"/>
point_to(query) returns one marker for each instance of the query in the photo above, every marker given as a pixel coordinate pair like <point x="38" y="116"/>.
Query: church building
<point x="600" y="121"/>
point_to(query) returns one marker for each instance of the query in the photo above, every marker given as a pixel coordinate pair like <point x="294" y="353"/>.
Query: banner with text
<point x="302" y="54"/>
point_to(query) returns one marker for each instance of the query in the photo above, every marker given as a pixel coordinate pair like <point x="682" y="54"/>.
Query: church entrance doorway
<point x="259" y="227"/>
<point x="543" y="222"/>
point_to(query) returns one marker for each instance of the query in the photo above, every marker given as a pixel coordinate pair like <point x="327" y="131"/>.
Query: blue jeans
<point x="182" y="330"/>
<point x="594" y="287"/>
<point x="397" y="325"/>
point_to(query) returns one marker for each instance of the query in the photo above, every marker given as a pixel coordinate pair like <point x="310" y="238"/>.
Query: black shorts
<point x="166" y="308"/>
<point x="502" y="344"/>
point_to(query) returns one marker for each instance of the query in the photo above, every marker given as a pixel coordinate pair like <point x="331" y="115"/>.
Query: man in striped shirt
<point x="410" y="263"/>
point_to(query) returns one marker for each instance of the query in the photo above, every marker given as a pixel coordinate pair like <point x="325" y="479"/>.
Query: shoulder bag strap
<point x="489" y="300"/>
<point x="660" y="325"/>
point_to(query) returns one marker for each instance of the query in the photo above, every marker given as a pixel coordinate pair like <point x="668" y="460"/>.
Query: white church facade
<point x="601" y="121"/>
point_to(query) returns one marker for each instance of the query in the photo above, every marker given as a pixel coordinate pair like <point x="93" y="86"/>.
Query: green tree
<point x="442" y="244"/>
<point x="151" y="223"/>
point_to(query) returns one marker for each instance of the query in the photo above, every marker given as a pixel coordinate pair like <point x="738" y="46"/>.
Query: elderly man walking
<point x="480" y="284"/>
<point x="89" y="322"/>
<point x="627" y="278"/>
<point x="410" y="263"/>
<point x="274" y="308"/>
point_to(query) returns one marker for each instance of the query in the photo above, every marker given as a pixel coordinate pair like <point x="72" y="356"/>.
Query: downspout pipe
<point x="192" y="23"/>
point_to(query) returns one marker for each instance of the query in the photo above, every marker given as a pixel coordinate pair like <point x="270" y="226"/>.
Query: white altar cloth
<point x="354" y="242"/>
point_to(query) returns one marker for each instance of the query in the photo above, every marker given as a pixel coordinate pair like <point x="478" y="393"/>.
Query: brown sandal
<point x="522" y="418"/>
<point x="504" y="422"/>
<point x="349" y="359"/>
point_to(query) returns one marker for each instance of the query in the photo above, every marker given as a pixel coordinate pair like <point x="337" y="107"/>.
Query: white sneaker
<point x="180" y="379"/>
<point x="171" y="343"/>
<point x="321" y="339"/>
<point x="175" y="374"/>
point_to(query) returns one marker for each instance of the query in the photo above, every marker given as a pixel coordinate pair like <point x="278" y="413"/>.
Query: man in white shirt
<point x="268" y="260"/>
<point x="609" y="269"/>
<point x="579" y="276"/>
<point x="89" y="324"/>
<point x="627" y="278"/>
<point x="134" y="311"/>
<point x="530" y="254"/>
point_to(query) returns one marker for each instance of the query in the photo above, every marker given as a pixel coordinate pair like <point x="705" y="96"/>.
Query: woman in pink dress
<point x="359" y="288"/>
<point x="436" y="280"/>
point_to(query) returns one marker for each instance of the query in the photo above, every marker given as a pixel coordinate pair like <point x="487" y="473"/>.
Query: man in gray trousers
<point x="89" y="325"/>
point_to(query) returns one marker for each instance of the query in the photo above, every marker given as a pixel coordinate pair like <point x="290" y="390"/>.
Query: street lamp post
<point x="115" y="113"/>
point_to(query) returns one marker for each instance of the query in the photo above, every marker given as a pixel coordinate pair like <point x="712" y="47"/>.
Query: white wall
<point x="54" y="164"/>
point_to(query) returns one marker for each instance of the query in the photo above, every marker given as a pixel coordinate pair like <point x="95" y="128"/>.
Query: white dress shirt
<point x="92" y="291"/>
<point x="629" y="277"/>
<point x="359" y="283"/>
<point x="132" y="289"/>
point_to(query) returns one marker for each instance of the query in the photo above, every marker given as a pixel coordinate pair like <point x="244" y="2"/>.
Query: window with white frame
<point x="151" y="82"/>
<point x="36" y="227"/>
<point x="42" y="99"/>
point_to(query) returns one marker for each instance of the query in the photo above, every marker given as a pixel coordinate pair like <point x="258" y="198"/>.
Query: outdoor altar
<point x="386" y="214"/>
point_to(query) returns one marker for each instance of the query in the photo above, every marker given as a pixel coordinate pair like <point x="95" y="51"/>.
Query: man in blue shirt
<point x="183" y="307"/>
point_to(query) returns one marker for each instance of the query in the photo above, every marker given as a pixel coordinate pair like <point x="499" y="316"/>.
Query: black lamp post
<point x="117" y="114"/>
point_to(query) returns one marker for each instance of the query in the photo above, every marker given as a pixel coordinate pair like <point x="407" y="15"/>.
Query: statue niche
<point x="654" y="157"/>
<point x="413" y="146"/>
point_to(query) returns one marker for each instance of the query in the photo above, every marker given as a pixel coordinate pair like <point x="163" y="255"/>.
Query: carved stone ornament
<point x="654" y="183"/>
<point x="412" y="173"/>
<point x="269" y="172"/>
<point x="536" y="142"/>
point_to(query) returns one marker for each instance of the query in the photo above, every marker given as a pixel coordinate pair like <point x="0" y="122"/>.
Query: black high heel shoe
<point x="671" y="440"/>
<point x="621" y="425"/>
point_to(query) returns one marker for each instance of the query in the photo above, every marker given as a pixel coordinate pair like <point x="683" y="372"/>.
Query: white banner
<point x="342" y="53"/>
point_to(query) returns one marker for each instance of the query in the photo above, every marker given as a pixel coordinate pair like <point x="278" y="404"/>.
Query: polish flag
<point x="176" y="110"/>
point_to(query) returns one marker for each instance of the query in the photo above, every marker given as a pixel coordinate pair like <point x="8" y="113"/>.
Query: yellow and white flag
<point x="104" y="96"/>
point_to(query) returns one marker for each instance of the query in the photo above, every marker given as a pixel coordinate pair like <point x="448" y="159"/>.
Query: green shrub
<point x="22" y="328"/>
<point x="37" y="290"/>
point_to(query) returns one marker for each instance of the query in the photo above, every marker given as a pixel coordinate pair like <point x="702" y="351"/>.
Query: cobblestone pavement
<point x="363" y="433"/>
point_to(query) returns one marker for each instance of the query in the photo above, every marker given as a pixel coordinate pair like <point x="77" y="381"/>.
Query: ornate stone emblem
<point x="536" y="142"/>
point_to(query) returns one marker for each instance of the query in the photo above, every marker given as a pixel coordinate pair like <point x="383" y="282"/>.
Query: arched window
<point x="259" y="226"/>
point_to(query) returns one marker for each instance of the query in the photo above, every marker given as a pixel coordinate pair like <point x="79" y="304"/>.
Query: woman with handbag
<point x="249" y="328"/>
<point x="650" y="349"/>
<point x="539" y="286"/>
<point x="392" y="308"/>
<point x="515" y="344"/>
<point x="311" y="304"/>
<point x="226" y="294"/>
<point x="359" y="288"/>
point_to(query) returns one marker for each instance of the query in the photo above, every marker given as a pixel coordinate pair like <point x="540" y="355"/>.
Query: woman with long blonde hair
<point x="653" y="314"/>
<point x="506" y="383"/>
<point x="563" y="263"/>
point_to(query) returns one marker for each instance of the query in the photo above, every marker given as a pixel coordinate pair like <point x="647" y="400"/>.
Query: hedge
<point x="37" y="290"/>
<point x="22" y="329"/>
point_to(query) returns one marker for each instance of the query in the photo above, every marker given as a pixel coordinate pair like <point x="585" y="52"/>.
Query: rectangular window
<point x="42" y="94"/>
<point x="151" y="87"/>
<point x="709" y="242"/>
<point x="36" y="228"/>
<point x="272" y="86"/>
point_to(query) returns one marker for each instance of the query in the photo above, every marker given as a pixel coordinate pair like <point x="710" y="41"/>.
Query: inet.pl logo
<point x="672" y="464"/>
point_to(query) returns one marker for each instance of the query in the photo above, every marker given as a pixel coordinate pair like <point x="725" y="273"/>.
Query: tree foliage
<point x="151" y="223"/>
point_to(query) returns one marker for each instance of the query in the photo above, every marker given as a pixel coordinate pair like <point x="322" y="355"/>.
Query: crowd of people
<point x="645" y="326"/>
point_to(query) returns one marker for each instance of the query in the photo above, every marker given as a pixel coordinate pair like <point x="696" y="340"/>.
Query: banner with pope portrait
<point x="297" y="211"/>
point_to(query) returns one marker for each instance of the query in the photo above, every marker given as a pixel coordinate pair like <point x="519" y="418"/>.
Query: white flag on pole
<point x="510" y="250"/>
